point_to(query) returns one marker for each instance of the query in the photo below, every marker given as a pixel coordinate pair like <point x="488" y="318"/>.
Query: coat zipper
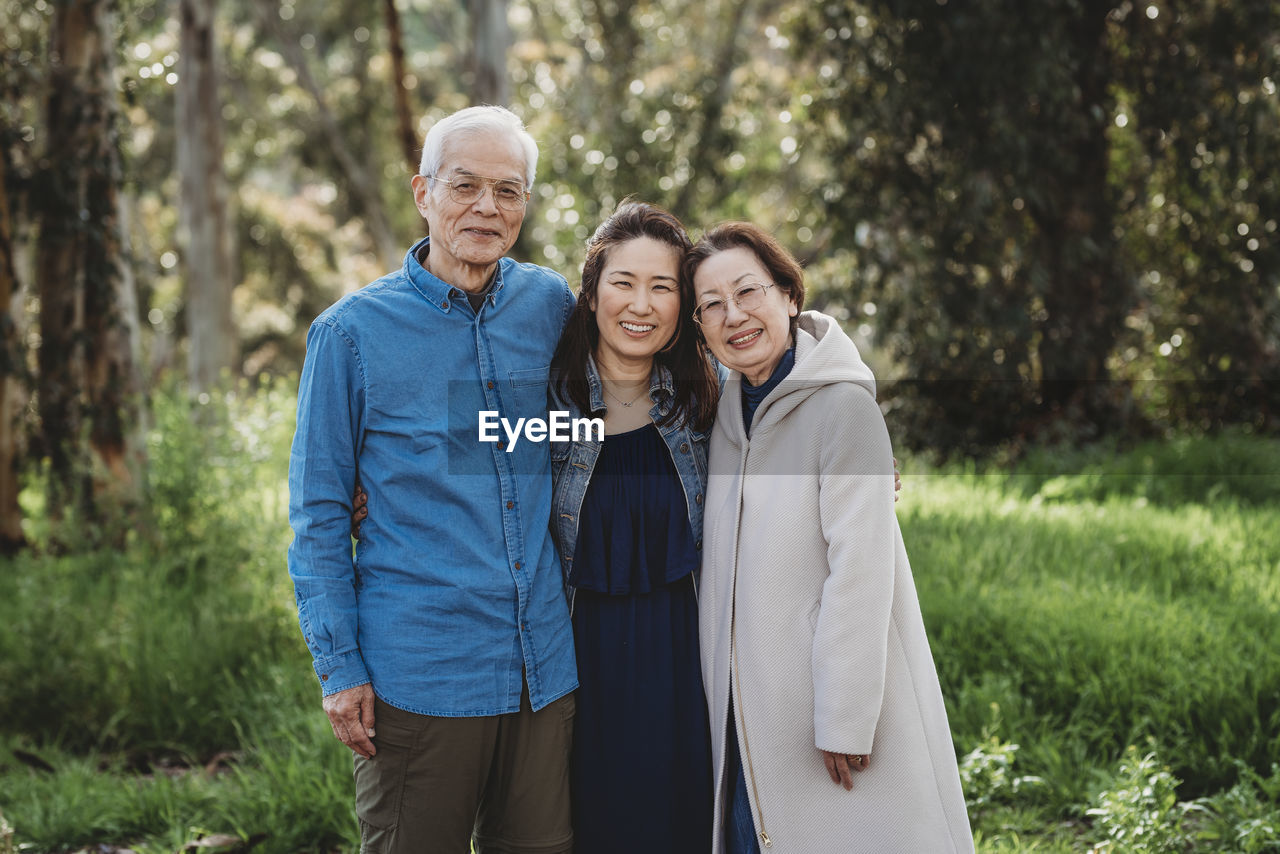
<point x="765" y="841"/>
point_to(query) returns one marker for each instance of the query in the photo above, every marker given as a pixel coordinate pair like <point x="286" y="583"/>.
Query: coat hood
<point x="825" y="355"/>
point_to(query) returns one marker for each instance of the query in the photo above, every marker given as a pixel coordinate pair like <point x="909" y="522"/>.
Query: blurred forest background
<point x="1050" y="220"/>
<point x="1051" y="225"/>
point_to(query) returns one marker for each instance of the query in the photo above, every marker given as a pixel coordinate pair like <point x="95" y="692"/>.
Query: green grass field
<point x="1106" y="625"/>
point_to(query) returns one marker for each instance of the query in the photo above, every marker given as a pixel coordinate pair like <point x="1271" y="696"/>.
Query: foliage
<point x="153" y="648"/>
<point x="1026" y="203"/>
<point x="1244" y="818"/>
<point x="1064" y="630"/>
<point x="1180" y="470"/>
<point x="288" y="790"/>
<point x="1197" y="125"/>
<point x="986" y="772"/>
<point x="1104" y="622"/>
<point x="1052" y="220"/>
<point x="1139" y="811"/>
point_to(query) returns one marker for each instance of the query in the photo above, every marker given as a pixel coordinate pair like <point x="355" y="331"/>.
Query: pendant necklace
<point x="627" y="404"/>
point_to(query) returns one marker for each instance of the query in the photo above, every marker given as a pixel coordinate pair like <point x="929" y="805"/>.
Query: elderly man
<point x="449" y="633"/>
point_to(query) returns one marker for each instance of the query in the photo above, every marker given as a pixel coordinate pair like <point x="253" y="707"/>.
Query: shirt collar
<point x="437" y="291"/>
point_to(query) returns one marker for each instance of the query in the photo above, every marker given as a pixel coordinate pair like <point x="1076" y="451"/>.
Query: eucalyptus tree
<point x="205" y="232"/>
<point x="88" y="384"/>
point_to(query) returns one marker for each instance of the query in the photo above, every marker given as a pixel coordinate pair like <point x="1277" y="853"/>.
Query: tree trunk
<point x="11" y="538"/>
<point x="88" y="385"/>
<point x="362" y="186"/>
<point x="1085" y="301"/>
<point x="490" y="41"/>
<point x="404" y="115"/>
<point x="203" y="220"/>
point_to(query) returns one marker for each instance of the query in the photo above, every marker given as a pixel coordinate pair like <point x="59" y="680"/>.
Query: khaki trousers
<point x="436" y="784"/>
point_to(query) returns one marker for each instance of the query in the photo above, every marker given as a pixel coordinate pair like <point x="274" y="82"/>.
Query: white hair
<point x="484" y="119"/>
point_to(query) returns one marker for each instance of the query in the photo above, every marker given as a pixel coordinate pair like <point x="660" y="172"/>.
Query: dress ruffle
<point x="633" y="531"/>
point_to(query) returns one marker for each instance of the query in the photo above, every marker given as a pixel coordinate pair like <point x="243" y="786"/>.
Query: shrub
<point x="1139" y="812"/>
<point x="986" y="772"/>
<point x="155" y="647"/>
<point x="1244" y="818"/>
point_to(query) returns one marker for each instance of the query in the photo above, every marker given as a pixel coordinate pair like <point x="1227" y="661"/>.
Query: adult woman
<point x="815" y="659"/>
<point x="627" y="516"/>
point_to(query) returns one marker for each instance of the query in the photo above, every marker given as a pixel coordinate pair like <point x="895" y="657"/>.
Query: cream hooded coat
<point x="807" y="605"/>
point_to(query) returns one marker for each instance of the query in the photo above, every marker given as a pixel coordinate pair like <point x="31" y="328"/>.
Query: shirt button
<point x="684" y="448"/>
<point x="510" y="504"/>
<point x="698" y="545"/>
<point x="502" y="446"/>
<point x="490" y="383"/>
<point x="444" y="304"/>
<point x="324" y="678"/>
<point x="517" y="564"/>
<point x="697" y="498"/>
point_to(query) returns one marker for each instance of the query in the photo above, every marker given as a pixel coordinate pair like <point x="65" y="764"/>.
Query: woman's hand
<point x="897" y="480"/>
<point x="359" y="510"/>
<point x="842" y="765"/>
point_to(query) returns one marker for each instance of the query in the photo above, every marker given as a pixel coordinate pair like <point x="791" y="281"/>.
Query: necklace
<point x="625" y="403"/>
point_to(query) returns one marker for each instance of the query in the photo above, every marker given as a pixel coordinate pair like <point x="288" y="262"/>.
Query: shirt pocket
<point x="530" y="387"/>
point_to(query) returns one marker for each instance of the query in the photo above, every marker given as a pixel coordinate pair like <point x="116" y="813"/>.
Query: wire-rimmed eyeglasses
<point x="748" y="297"/>
<point x="467" y="189"/>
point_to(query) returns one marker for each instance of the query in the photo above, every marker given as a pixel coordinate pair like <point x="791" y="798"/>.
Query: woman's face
<point x="752" y="341"/>
<point x="637" y="301"/>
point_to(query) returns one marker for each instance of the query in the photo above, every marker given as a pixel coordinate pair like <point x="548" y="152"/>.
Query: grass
<point x="1105" y="624"/>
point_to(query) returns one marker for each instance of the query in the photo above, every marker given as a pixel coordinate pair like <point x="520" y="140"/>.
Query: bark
<point x="490" y="41"/>
<point x="11" y="537"/>
<point x="88" y="384"/>
<point x="204" y="227"/>
<point x="362" y="186"/>
<point x="404" y="116"/>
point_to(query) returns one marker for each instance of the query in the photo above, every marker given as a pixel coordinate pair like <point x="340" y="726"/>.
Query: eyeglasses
<point x="747" y="297"/>
<point x="467" y="190"/>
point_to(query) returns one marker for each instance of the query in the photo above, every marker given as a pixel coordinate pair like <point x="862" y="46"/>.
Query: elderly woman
<point x="814" y="655"/>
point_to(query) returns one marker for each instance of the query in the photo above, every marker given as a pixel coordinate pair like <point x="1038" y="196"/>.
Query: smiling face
<point x="637" y="302"/>
<point x="467" y="240"/>
<point x="751" y="342"/>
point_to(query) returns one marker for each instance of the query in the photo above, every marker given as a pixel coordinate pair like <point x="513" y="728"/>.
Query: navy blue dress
<point x="641" y="751"/>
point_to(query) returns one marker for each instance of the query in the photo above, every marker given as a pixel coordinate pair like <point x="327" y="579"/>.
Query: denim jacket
<point x="573" y="462"/>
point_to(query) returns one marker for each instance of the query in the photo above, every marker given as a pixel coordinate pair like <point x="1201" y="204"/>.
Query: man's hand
<point x="351" y="716"/>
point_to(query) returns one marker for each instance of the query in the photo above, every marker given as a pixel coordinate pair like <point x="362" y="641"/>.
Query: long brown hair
<point x="696" y="385"/>
<point x="785" y="270"/>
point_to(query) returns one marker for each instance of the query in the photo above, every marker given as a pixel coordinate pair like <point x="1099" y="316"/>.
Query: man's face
<point x="469" y="238"/>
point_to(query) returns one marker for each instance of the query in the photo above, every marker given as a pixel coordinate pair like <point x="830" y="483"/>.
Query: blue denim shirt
<point x="573" y="463"/>
<point x="455" y="595"/>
